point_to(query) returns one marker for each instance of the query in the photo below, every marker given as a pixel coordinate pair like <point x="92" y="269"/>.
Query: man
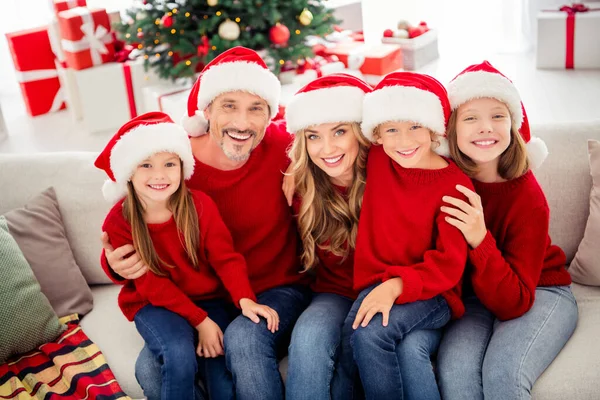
<point x="239" y="163"/>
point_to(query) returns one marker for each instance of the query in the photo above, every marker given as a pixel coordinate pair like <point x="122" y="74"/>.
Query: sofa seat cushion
<point x="574" y="373"/>
<point x="116" y="337"/>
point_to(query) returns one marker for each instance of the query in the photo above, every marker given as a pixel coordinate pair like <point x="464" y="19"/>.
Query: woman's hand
<point x="467" y="217"/>
<point x="252" y="311"/>
<point x="210" y="339"/>
<point x="380" y="300"/>
<point x="131" y="267"/>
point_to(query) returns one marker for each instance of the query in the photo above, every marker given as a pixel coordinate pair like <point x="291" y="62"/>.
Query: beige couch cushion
<point x="565" y="180"/>
<point x="585" y="267"/>
<point x="78" y="187"/>
<point x="574" y="373"/>
<point x="116" y="337"/>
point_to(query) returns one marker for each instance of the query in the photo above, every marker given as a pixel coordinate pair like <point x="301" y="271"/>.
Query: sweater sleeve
<point x="229" y="265"/>
<point x="440" y="270"/>
<point x="119" y="235"/>
<point x="505" y="281"/>
<point x="160" y="291"/>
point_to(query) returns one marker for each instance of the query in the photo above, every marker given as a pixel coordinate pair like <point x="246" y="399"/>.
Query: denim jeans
<point x="314" y="347"/>
<point x="252" y="351"/>
<point x="374" y="346"/>
<point x="414" y="355"/>
<point x="167" y="366"/>
<point x="481" y="356"/>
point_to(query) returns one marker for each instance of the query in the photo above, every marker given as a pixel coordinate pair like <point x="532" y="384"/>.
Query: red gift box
<point x="64" y="5"/>
<point x="36" y="71"/>
<point x="371" y="60"/>
<point x="86" y="37"/>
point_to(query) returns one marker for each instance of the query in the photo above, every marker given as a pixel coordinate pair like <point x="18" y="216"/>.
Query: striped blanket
<point x="71" y="367"/>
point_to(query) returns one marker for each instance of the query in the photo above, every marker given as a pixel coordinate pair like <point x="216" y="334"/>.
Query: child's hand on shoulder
<point x="380" y="300"/>
<point x="210" y="339"/>
<point x="252" y="311"/>
<point x="467" y="217"/>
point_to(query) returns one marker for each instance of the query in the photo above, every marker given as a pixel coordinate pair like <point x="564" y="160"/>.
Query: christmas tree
<point x="178" y="38"/>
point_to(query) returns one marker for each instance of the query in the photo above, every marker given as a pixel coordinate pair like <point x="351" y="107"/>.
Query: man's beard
<point x="236" y="154"/>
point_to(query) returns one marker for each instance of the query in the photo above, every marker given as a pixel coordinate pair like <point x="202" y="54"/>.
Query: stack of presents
<point x="569" y="37"/>
<point x="77" y="62"/>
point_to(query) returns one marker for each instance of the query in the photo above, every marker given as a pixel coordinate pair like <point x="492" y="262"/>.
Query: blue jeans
<point x="481" y="356"/>
<point x="252" y="351"/>
<point x="315" y="347"/>
<point x="414" y="355"/>
<point x="166" y="368"/>
<point x="374" y="346"/>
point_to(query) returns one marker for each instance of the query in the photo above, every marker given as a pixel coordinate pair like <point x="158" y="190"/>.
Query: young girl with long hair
<point x="520" y="311"/>
<point x="328" y="161"/>
<point x="408" y="261"/>
<point x="183" y="304"/>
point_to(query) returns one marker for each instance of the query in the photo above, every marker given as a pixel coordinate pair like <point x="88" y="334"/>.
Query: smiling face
<point x="483" y="130"/>
<point x="333" y="147"/>
<point x="238" y="121"/>
<point x="407" y="143"/>
<point x="157" y="178"/>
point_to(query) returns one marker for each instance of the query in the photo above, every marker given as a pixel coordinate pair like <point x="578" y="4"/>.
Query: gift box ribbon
<point x="41" y="74"/>
<point x="571" y="11"/>
<point x="93" y="40"/>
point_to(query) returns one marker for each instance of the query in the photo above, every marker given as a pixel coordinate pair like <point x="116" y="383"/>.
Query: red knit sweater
<point x="218" y="263"/>
<point x="402" y="232"/>
<point x="333" y="274"/>
<point x="253" y="207"/>
<point x="516" y="255"/>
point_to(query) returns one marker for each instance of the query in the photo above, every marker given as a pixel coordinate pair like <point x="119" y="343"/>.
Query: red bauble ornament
<point x="388" y="33"/>
<point x="279" y="34"/>
<point x="140" y="35"/>
<point x="167" y="21"/>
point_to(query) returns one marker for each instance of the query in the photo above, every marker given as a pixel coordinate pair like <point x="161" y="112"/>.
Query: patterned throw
<point x="71" y="367"/>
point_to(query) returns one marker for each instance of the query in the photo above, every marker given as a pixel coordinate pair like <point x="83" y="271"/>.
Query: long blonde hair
<point x="326" y="219"/>
<point x="181" y="204"/>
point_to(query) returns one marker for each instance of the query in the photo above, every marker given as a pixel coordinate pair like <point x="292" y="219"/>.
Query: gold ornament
<point x="212" y="3"/>
<point x="229" y="30"/>
<point x="305" y="17"/>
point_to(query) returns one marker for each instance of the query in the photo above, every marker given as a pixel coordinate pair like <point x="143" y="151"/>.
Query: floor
<point x="550" y="96"/>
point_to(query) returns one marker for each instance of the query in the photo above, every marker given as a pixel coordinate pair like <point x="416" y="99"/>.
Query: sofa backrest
<point x="564" y="177"/>
<point x="78" y="189"/>
<point x="566" y="180"/>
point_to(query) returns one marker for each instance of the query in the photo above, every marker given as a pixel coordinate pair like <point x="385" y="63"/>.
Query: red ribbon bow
<point x="575" y="8"/>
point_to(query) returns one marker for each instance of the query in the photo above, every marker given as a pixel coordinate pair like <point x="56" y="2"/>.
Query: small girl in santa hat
<point x="408" y="261"/>
<point x="179" y="306"/>
<point x="519" y="307"/>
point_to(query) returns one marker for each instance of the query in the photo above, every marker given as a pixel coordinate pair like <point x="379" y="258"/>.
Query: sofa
<point x="565" y="177"/>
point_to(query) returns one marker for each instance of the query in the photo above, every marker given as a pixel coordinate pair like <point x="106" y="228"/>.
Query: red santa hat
<point x="138" y="139"/>
<point x="235" y="69"/>
<point x="332" y="98"/>
<point x="483" y="80"/>
<point x="408" y="96"/>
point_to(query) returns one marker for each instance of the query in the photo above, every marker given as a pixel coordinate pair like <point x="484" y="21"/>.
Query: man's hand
<point x="131" y="267"/>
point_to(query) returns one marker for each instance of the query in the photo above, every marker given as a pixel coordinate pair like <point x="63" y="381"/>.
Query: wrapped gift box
<point x="312" y="69"/>
<point x="86" y="37"/>
<point x="35" y="70"/>
<point x="568" y="40"/>
<point x="53" y="29"/>
<point x="63" y="5"/>
<point x="379" y="59"/>
<point x="418" y="51"/>
<point x="160" y="97"/>
<point x="108" y="95"/>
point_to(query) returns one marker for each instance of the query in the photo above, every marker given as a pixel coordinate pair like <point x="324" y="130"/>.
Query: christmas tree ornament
<point x="140" y="35"/>
<point x="141" y="16"/>
<point x="279" y="34"/>
<point x="305" y="17"/>
<point x="388" y="33"/>
<point x="229" y="30"/>
<point x="166" y="21"/>
<point x="403" y="24"/>
<point x="212" y="3"/>
<point x="203" y="47"/>
<point x="401" y="34"/>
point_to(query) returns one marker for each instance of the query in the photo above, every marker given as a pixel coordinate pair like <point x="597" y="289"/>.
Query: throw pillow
<point x="585" y="268"/>
<point x="26" y="317"/>
<point x="38" y="229"/>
